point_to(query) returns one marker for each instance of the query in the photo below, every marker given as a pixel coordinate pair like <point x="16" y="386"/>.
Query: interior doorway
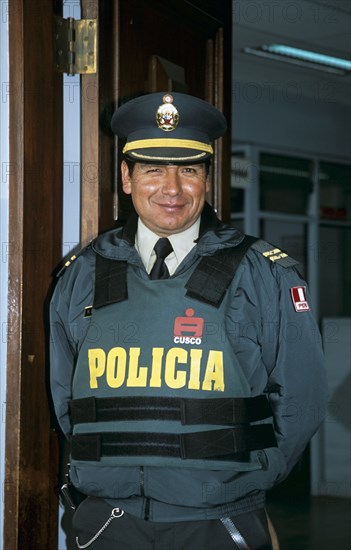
<point x="178" y="44"/>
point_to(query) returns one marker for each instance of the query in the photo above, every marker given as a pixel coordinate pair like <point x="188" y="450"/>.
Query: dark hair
<point x="131" y="163"/>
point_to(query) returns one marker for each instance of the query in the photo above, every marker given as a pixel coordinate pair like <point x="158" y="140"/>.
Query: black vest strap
<point x="213" y="275"/>
<point x="228" y="444"/>
<point x="208" y="283"/>
<point x="211" y="411"/>
<point x="110" y="281"/>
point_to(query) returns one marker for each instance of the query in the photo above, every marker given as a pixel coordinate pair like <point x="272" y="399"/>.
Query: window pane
<point x="335" y="191"/>
<point x="285" y="184"/>
<point x="335" y="271"/>
<point x="237" y="200"/>
<point x="239" y="176"/>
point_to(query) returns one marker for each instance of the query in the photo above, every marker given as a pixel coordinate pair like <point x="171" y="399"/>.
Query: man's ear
<point x="126" y="179"/>
<point x="208" y="184"/>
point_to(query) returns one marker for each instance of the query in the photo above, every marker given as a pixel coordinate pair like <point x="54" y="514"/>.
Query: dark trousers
<point x="131" y="533"/>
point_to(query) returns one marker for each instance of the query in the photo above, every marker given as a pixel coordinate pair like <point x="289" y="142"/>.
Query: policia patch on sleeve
<point x="274" y="254"/>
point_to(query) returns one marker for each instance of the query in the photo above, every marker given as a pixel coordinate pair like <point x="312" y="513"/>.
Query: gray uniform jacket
<point x="277" y="345"/>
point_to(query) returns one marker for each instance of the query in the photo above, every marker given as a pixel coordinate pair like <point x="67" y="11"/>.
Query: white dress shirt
<point x="182" y="243"/>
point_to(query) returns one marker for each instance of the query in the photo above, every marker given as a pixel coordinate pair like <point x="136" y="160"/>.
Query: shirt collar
<point x="182" y="243"/>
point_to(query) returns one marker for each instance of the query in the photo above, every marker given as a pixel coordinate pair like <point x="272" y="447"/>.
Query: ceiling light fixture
<point x="302" y="58"/>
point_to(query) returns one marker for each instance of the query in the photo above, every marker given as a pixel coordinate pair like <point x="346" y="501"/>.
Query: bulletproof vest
<point x="157" y="381"/>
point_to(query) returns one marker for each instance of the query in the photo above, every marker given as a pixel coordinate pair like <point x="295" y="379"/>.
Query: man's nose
<point x="172" y="184"/>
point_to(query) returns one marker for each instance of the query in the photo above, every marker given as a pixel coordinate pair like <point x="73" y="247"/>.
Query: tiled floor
<point x="311" y="523"/>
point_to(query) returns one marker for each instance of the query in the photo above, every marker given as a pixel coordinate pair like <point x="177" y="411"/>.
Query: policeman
<point x="186" y="365"/>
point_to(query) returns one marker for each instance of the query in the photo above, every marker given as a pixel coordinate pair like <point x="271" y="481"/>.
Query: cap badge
<point x="167" y="116"/>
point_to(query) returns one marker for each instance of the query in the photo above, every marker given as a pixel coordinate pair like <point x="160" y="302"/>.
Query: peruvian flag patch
<point x="298" y="294"/>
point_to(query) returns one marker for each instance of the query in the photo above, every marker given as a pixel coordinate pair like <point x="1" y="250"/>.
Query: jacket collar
<point x="213" y="235"/>
<point x="209" y="221"/>
<point x="130" y="228"/>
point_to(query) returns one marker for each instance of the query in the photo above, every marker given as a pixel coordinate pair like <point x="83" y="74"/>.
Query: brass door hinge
<point x="75" y="45"/>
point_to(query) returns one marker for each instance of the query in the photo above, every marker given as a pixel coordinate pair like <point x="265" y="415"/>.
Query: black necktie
<point x="162" y="248"/>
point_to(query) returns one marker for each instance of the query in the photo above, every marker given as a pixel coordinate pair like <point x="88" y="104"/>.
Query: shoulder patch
<point x="298" y="295"/>
<point x="273" y="253"/>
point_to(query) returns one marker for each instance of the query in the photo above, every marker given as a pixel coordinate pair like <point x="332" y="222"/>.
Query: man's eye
<point x="153" y="170"/>
<point x="189" y="170"/>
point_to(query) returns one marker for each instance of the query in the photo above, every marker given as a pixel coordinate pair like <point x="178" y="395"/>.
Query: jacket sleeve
<point x="73" y="292"/>
<point x="297" y="385"/>
<point x="281" y="352"/>
<point x="62" y="357"/>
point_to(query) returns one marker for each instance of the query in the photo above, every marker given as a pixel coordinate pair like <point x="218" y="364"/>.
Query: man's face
<point x="168" y="198"/>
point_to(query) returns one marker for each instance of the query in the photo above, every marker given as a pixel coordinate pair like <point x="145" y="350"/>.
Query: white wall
<point x="4" y="210"/>
<point x="71" y="221"/>
<point x="71" y="208"/>
<point x="279" y="113"/>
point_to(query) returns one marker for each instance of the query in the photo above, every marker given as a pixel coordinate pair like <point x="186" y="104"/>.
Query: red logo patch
<point x="188" y="329"/>
<point x="298" y="294"/>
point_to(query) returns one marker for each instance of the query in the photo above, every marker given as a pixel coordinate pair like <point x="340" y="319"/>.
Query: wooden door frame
<point x="35" y="229"/>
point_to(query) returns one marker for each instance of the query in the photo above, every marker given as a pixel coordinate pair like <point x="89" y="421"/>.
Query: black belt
<point x="228" y="444"/>
<point x="221" y="411"/>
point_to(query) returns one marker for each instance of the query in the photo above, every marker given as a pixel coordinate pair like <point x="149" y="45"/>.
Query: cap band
<point x="139" y="156"/>
<point x="167" y="142"/>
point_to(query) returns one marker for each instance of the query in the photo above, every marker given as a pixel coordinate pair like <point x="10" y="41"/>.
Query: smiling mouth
<point x="171" y="206"/>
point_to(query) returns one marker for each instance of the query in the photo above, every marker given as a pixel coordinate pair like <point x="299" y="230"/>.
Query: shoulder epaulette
<point x="70" y="260"/>
<point x="273" y="253"/>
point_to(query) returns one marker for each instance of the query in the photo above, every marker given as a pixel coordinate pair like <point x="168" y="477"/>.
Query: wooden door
<point x="145" y="47"/>
<point x="35" y="207"/>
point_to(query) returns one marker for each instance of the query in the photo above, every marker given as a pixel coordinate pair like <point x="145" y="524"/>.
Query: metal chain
<point x="116" y="513"/>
